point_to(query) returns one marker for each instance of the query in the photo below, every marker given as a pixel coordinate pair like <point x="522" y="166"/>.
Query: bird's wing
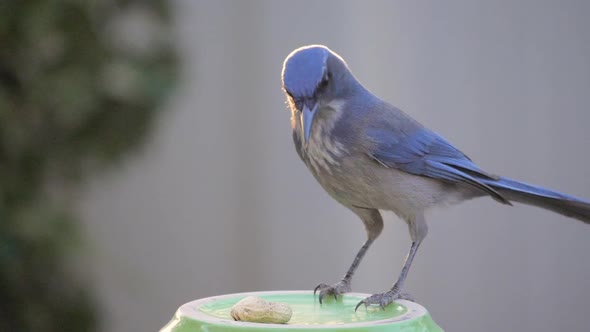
<point x="420" y="151"/>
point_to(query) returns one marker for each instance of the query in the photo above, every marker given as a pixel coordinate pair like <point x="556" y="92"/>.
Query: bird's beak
<point x="306" y="117"/>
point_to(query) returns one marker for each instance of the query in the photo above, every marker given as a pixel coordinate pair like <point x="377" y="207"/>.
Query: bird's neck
<point x="323" y="150"/>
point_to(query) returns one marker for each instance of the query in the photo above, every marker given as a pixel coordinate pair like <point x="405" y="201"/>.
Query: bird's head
<point x="313" y="77"/>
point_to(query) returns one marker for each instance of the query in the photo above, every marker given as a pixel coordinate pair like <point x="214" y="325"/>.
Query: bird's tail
<point x="544" y="198"/>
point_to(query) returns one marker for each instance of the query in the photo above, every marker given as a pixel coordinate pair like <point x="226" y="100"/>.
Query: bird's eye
<point x="324" y="83"/>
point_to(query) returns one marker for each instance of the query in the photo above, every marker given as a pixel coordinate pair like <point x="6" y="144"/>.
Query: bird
<point x="370" y="157"/>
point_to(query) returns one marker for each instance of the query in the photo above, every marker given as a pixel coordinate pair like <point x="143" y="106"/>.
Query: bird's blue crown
<point x="304" y="70"/>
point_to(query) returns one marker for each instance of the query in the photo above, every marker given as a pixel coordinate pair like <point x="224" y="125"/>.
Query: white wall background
<point x="218" y="201"/>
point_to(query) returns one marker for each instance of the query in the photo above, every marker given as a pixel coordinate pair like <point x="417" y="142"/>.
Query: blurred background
<point x="146" y="157"/>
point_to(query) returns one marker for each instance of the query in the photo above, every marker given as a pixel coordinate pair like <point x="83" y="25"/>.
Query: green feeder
<point x="212" y="314"/>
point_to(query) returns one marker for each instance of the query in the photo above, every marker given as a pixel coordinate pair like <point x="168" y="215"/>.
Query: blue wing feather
<point x="423" y="152"/>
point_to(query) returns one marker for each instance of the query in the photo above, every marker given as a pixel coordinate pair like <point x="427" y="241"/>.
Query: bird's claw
<point x="384" y="299"/>
<point x="338" y="288"/>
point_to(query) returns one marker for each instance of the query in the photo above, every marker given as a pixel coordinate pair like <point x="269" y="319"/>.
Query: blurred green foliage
<point x="80" y="85"/>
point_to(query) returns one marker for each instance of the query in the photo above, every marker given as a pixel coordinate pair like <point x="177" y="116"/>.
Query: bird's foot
<point x="338" y="288"/>
<point x="384" y="299"/>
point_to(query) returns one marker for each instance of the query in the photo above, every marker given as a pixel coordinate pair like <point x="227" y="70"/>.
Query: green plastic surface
<point x="213" y="315"/>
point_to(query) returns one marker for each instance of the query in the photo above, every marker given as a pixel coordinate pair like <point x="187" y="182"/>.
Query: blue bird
<point x="370" y="156"/>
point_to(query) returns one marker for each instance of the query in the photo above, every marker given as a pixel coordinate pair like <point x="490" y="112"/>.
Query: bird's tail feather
<point x="544" y="198"/>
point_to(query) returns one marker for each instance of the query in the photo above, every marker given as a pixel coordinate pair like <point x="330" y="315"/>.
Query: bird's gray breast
<point x="324" y="151"/>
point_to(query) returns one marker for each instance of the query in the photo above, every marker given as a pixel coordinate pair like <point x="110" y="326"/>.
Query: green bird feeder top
<point x="212" y="314"/>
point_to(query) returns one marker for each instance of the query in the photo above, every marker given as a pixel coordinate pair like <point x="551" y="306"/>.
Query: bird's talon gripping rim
<point x="316" y="289"/>
<point x="407" y="297"/>
<point x="359" y="304"/>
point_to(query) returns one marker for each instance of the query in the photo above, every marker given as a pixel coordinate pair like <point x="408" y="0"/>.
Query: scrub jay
<point x="370" y="156"/>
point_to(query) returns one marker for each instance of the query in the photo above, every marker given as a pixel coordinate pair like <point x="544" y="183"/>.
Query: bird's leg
<point x="343" y="285"/>
<point x="395" y="292"/>
<point x="418" y="230"/>
<point x="373" y="225"/>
